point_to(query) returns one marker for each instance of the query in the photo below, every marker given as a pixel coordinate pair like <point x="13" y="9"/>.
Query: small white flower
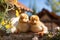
<point x="57" y="28"/>
<point x="13" y="29"/>
<point x="35" y="38"/>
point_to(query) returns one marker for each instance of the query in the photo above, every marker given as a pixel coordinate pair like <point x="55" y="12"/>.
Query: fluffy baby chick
<point x="23" y="23"/>
<point x="37" y="26"/>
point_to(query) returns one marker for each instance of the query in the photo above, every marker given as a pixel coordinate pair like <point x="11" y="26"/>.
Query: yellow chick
<point x="37" y="26"/>
<point x="23" y="23"/>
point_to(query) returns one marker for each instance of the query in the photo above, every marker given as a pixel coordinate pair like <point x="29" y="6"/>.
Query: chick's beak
<point x="34" y="21"/>
<point x="25" y="20"/>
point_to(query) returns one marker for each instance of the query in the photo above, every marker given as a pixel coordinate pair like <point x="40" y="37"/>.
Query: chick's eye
<point x="26" y="18"/>
<point x="32" y="20"/>
<point x="21" y="17"/>
<point x="35" y="20"/>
